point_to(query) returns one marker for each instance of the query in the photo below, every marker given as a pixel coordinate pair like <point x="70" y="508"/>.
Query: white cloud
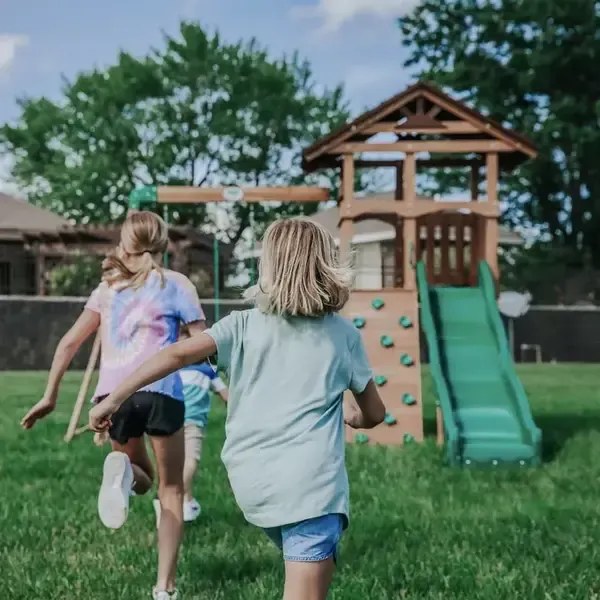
<point x="335" y="13"/>
<point x="9" y="44"/>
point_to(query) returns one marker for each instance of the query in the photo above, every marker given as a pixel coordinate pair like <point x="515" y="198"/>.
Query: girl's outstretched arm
<point x="165" y="362"/>
<point x="86" y="324"/>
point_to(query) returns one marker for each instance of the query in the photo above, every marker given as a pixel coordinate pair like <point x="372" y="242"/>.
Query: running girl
<point x="138" y="308"/>
<point x="290" y="361"/>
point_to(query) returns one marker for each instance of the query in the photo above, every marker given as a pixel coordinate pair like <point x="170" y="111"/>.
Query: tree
<point x="196" y="112"/>
<point x="78" y="277"/>
<point x="531" y="65"/>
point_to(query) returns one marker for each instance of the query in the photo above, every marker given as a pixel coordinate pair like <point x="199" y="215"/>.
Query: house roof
<point x="19" y="215"/>
<point x="315" y="156"/>
<point x="371" y="230"/>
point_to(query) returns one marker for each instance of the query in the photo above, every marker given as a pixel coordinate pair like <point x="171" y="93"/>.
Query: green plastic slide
<point x="486" y="414"/>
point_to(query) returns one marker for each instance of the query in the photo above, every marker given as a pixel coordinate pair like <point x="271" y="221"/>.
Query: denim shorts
<point x="313" y="540"/>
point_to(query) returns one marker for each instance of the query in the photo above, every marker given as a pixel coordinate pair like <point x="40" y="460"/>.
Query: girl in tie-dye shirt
<point x="138" y="309"/>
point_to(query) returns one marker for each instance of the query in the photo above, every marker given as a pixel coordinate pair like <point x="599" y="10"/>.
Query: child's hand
<point x="44" y="407"/>
<point x="353" y="417"/>
<point x="99" y="417"/>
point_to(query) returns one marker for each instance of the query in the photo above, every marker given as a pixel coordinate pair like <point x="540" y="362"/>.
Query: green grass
<point x="419" y="530"/>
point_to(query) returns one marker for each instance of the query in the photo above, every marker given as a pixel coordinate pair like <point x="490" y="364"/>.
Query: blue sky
<point x="351" y="41"/>
<point x="355" y="42"/>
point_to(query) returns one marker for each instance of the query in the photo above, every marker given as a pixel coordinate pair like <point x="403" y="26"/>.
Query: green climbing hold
<point x="389" y="419"/>
<point x="386" y="341"/>
<point x="378" y="303"/>
<point x="408" y="399"/>
<point x="359" y="322"/>
<point x="361" y="438"/>
<point x="405" y="322"/>
<point x="406" y="360"/>
<point x="408" y="438"/>
<point x="380" y="380"/>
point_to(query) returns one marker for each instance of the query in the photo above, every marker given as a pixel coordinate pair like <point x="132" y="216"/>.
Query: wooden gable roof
<point x="421" y="113"/>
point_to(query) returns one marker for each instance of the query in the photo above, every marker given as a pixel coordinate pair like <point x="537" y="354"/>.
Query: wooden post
<point x="490" y="236"/>
<point x="346" y="199"/>
<point x="439" y="425"/>
<point x="491" y="161"/>
<point x="474" y="182"/>
<point x="409" y="180"/>
<point x="399" y="237"/>
<point x="83" y="390"/>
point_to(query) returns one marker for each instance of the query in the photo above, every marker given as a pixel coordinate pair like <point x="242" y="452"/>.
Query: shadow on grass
<point x="558" y="429"/>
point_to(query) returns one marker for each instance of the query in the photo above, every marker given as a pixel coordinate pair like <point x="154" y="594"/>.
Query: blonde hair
<point x="144" y="239"/>
<point x="299" y="272"/>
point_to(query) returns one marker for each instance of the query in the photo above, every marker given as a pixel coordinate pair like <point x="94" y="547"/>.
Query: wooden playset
<point x="446" y="251"/>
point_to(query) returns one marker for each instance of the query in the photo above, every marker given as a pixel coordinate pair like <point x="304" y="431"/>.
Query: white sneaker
<point x="117" y="482"/>
<point x="191" y="510"/>
<point x="156" y="505"/>
<point x="163" y="595"/>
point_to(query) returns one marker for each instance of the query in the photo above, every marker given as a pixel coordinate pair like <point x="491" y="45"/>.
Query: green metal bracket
<point x="361" y="438"/>
<point x="407" y="360"/>
<point x="143" y="196"/>
<point x="378" y="304"/>
<point x="380" y="380"/>
<point x="408" y="399"/>
<point x="386" y="341"/>
<point x="405" y="322"/>
<point x="389" y="419"/>
<point x="359" y="322"/>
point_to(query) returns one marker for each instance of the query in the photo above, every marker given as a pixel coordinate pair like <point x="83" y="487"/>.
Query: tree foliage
<point x="197" y="111"/>
<point x="78" y="277"/>
<point x="531" y="64"/>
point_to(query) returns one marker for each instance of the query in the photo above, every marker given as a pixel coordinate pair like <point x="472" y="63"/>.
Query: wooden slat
<point x="445" y="249"/>
<point x="195" y="195"/>
<point x="430" y="249"/>
<point x="474" y="247"/>
<point x="490" y="251"/>
<point x="459" y="245"/>
<point x="491" y="161"/>
<point x="446" y="146"/>
<point x="424" y="163"/>
<point x="399" y="254"/>
<point x="363" y="208"/>
<point x="409" y="252"/>
<point x="409" y="178"/>
<point x="474" y="181"/>
<point x="446" y="127"/>
<point x="345" y="206"/>
<point x="475" y="121"/>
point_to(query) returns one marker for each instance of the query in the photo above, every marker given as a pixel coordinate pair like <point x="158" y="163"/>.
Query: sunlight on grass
<point x="418" y="529"/>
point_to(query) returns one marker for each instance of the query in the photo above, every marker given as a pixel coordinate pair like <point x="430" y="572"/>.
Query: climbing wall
<point x="389" y="323"/>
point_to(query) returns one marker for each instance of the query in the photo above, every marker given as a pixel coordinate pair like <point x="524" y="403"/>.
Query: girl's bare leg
<point x="170" y="455"/>
<point x="308" y="580"/>
<point x="143" y="471"/>
<point x="189" y="472"/>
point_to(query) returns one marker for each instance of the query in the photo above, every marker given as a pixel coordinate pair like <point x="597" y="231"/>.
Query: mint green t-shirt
<point x="284" y="447"/>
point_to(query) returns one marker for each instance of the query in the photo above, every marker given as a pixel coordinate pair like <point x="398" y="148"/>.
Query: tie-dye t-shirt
<point x="136" y="324"/>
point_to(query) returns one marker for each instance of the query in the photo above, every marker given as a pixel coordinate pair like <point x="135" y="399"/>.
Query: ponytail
<point x="116" y="271"/>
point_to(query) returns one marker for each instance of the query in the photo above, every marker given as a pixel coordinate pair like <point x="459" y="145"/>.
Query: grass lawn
<point x="419" y="530"/>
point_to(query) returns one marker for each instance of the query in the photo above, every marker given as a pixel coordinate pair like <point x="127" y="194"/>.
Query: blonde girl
<point x="138" y="308"/>
<point x="290" y="360"/>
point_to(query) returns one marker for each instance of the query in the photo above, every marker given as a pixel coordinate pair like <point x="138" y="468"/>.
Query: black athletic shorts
<point x="146" y="412"/>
